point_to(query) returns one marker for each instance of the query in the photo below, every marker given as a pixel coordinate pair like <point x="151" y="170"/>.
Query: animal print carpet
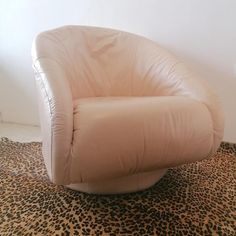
<point x="193" y="199"/>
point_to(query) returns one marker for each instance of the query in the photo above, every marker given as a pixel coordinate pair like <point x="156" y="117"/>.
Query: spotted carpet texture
<point x="194" y="199"/>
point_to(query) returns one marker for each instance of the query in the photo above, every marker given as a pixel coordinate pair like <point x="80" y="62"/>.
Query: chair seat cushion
<point x="122" y="136"/>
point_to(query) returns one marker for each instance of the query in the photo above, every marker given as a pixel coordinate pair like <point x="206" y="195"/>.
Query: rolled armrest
<point x="184" y="83"/>
<point x="56" y="115"/>
<point x="170" y="77"/>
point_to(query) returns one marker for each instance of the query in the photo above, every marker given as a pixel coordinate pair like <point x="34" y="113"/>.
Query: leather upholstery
<point x="114" y="104"/>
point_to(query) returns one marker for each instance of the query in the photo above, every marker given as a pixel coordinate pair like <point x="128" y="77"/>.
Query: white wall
<point x="201" y="32"/>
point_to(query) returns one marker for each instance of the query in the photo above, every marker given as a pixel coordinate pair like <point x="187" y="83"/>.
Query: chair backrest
<point x="106" y="62"/>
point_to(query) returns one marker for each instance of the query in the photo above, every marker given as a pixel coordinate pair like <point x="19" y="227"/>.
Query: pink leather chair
<point x="117" y="110"/>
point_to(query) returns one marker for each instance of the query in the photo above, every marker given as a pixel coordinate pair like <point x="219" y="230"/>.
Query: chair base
<point x="126" y="184"/>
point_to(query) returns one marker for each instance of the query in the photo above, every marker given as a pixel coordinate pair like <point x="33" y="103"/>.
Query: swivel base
<point x="126" y="184"/>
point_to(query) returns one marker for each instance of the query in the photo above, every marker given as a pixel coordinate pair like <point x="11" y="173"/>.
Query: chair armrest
<point x="56" y="117"/>
<point x="185" y="83"/>
<point x="170" y="77"/>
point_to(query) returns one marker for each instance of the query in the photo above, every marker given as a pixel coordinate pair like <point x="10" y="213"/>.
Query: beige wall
<point x="201" y="32"/>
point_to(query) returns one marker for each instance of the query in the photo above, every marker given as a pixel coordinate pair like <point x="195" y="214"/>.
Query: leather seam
<point x="213" y="130"/>
<point x="50" y="109"/>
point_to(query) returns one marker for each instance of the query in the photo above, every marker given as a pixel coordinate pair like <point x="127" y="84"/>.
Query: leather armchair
<point x="117" y="110"/>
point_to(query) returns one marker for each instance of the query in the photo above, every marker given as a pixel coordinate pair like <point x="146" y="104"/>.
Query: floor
<point x="20" y="133"/>
<point x="192" y="199"/>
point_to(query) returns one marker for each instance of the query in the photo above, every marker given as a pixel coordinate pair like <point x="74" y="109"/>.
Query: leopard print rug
<point x="193" y="199"/>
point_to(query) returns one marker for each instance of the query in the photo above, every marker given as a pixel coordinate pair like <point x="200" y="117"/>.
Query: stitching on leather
<point x="50" y="109"/>
<point x="78" y="106"/>
<point x="213" y="129"/>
